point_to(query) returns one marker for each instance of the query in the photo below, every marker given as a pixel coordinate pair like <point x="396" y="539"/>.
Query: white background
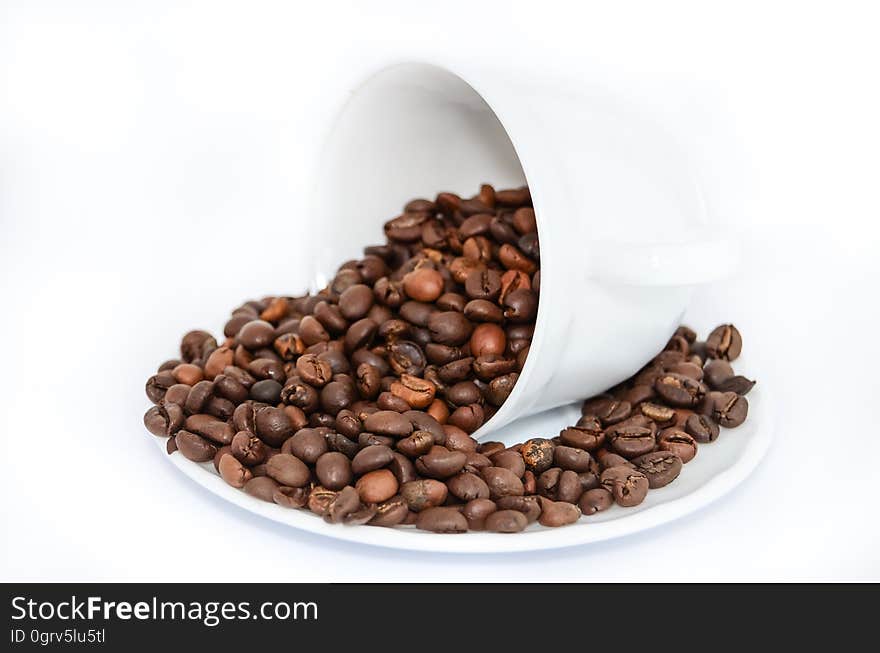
<point x="154" y="166"/>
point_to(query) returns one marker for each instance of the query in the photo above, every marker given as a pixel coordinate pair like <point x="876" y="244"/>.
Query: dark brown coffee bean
<point x="371" y="458"/>
<point x="587" y="435"/>
<point x="608" y="459"/>
<point x="737" y="384"/>
<point x="342" y="505"/>
<point x="406" y="357"/>
<point x="256" y="334"/>
<point x="725" y="342"/>
<point x="678" y="390"/>
<point x="198" y="396"/>
<point x="538" y="454"/>
<point x="233" y="472"/>
<point x="262" y="488"/>
<point x="678" y="442"/>
<point x="291" y="497"/>
<point x="197" y="345"/>
<point x="377" y="486"/>
<point x="371" y="440"/>
<point x="506" y="521"/>
<point x="481" y="310"/>
<point x="449" y="328"/>
<point x="628" y="486"/>
<point x="210" y="427"/>
<point x="273" y="426"/>
<point x="288" y="470"/>
<point x="468" y="418"/>
<point x="702" y="428"/>
<point x="477" y="511"/>
<point x="422" y="494"/>
<point x="442" y="520"/>
<point x="511" y="460"/>
<point x="660" y="467"/>
<point x="502" y="482"/>
<point x="390" y="513"/>
<point x="387" y="422"/>
<point x="595" y="500"/>
<point x="248" y="448"/>
<point x="557" y="513"/>
<point x="490" y="367"/>
<point x="575" y="459"/>
<point x="528" y="505"/>
<point x="194" y="447"/>
<point x="333" y="470"/>
<point x="730" y="409"/>
<point x="521" y="305"/>
<point x="629" y="440"/>
<point x="500" y="388"/>
<point x="717" y="371"/>
<point x="355" y="302"/>
<point x="307" y="444"/>
<point x="466" y="487"/>
<point x="417" y="444"/>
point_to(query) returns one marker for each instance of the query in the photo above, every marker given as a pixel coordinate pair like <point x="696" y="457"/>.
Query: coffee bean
<point x="538" y="454"/>
<point x="663" y="415"/>
<point x="528" y="505"/>
<point x="511" y="460"/>
<point x="320" y="499"/>
<point x="660" y="467"/>
<point x="307" y="444"/>
<point x="466" y="487"/>
<point x="291" y="497"/>
<point x="572" y="458"/>
<point x="502" y="482"/>
<point x="679" y="390"/>
<point x="729" y="409"/>
<point x="717" y="371"/>
<point x="476" y="512"/>
<point x="449" y="328"/>
<point x="406" y="357"/>
<point x="194" y="447"/>
<point x="422" y="494"/>
<point x="371" y="458"/>
<point x="416" y="392"/>
<point x="442" y="520"/>
<point x="468" y="418"/>
<point x="702" y="428"/>
<point x="557" y="513"/>
<point x="210" y="427"/>
<point x="629" y="440"/>
<point x="628" y="486"/>
<point x="595" y="500"/>
<point x="355" y="302"/>
<point x="441" y="463"/>
<point x="587" y="434"/>
<point x="488" y="340"/>
<point x="387" y="422"/>
<point x="377" y="486"/>
<point x="248" y="448"/>
<point x="678" y="442"/>
<point x="390" y="513"/>
<point x="288" y="470"/>
<point x="233" y="472"/>
<point x="737" y="384"/>
<point x="423" y="284"/>
<point x="506" y="521"/>
<point x="725" y="342"/>
<point x="197" y="345"/>
<point x="262" y="488"/>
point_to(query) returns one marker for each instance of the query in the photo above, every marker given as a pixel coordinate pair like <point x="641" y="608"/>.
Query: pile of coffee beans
<point x="358" y="402"/>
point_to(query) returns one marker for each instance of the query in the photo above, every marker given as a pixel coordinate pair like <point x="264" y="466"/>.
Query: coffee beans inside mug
<point x="358" y="402"/>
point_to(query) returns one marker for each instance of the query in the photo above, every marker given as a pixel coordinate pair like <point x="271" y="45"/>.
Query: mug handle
<point x="664" y="264"/>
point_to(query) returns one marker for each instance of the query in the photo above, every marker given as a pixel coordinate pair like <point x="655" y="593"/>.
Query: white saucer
<point x="718" y="468"/>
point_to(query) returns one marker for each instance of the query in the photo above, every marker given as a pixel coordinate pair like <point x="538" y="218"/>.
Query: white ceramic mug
<point x="621" y="221"/>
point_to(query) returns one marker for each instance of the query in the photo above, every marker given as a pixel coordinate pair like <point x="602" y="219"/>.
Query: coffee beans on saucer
<point x="358" y="402"/>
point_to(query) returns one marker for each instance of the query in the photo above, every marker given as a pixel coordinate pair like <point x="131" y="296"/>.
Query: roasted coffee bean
<point x="273" y="426"/>
<point x="575" y="459"/>
<point x="198" y="396"/>
<point x="468" y="418"/>
<point x="730" y="409"/>
<point x="502" y="482"/>
<point x="194" y="447"/>
<point x="256" y="334"/>
<point x="463" y="393"/>
<point x="538" y="454"/>
<point x="261" y="487"/>
<point x="505" y="521"/>
<point x="458" y="440"/>
<point x="387" y="422"/>
<point x="488" y="340"/>
<point x="481" y="310"/>
<point x="587" y="434"/>
<point x="455" y="372"/>
<point x="267" y="391"/>
<point x="449" y="328"/>
<point x="521" y="305"/>
<point x="403" y="468"/>
<point x="416" y="392"/>
<point x="530" y="506"/>
<point x="628" y="486"/>
<point x="557" y="513"/>
<point x="608" y="459"/>
<point x="483" y="284"/>
<point x="595" y="500"/>
<point x="344" y="503"/>
<point x="466" y="487"/>
<point x="291" y="497"/>
<point x="320" y="499"/>
<point x="442" y="520"/>
<point x="423" y="284"/>
<point x="737" y="384"/>
<point x="490" y="367"/>
<point x="196" y="345"/>
<point x="406" y="357"/>
<point x="248" y="448"/>
<point x="307" y="444"/>
<point x="716" y="372"/>
<point x="678" y="442"/>
<point x="423" y="422"/>
<point x="476" y="512"/>
<point x="702" y="428"/>
<point x="371" y="458"/>
<point x="679" y="390"/>
<point x="314" y="371"/>
<point x="662" y="415"/>
<point x="441" y="463"/>
<point x="210" y="427"/>
<point x="377" y="486"/>
<point x="188" y="374"/>
<point x="500" y="388"/>
<point x="158" y="384"/>
<point x="629" y="440"/>
<point x="417" y="444"/>
<point x="422" y="494"/>
<point x="511" y="460"/>
<point x="660" y="467"/>
<point x="288" y="470"/>
<point x="371" y="439"/>
<point x="355" y="302"/>
<point x="725" y="342"/>
<point x="390" y="513"/>
<point x="233" y="472"/>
